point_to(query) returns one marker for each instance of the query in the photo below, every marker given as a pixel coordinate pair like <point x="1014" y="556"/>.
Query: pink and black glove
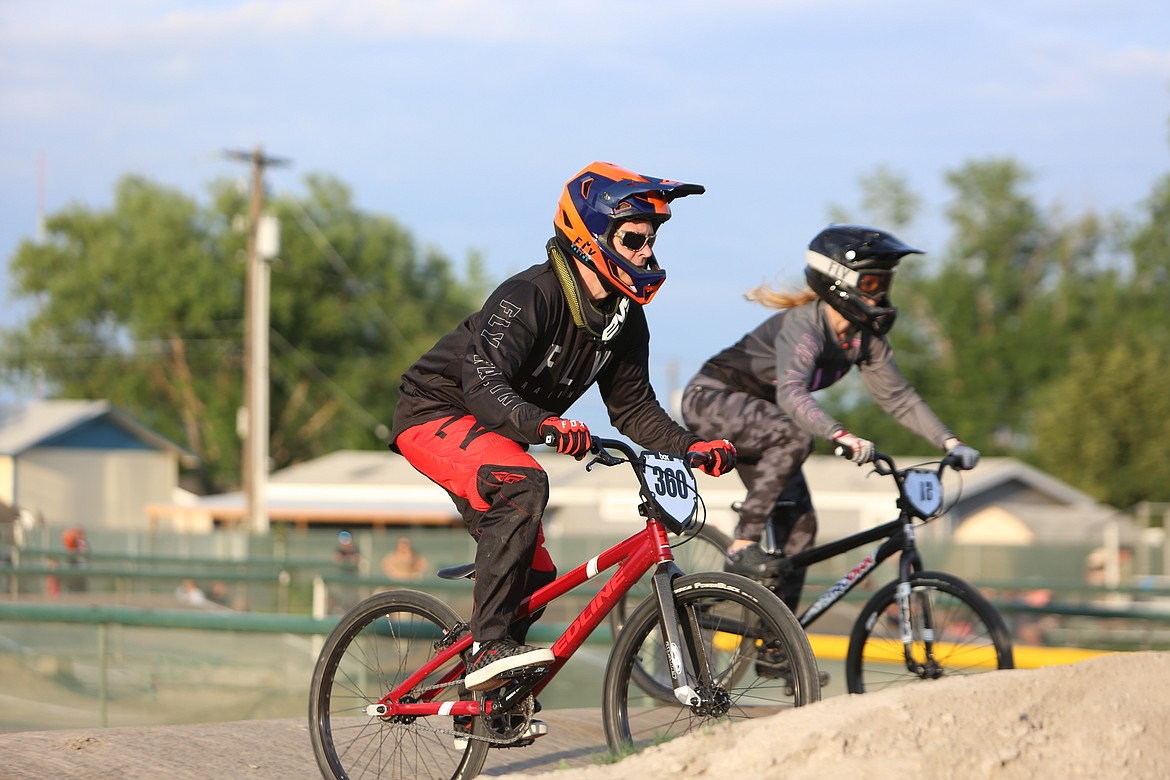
<point x="855" y="448"/>
<point x="569" y="437"/>
<point x="719" y="456"/>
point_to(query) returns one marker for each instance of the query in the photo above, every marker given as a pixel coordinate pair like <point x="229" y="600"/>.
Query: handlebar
<point x="884" y="464"/>
<point x="600" y="446"/>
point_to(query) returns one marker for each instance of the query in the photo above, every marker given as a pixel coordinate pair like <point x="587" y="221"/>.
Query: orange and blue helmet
<point x="599" y="199"/>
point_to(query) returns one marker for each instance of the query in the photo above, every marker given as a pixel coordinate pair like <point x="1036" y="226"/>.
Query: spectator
<point x="347" y="556"/>
<point x="190" y="594"/>
<point x="349" y="562"/>
<point x="219" y="594"/>
<point x="404" y="562"/>
<point x="76" y="557"/>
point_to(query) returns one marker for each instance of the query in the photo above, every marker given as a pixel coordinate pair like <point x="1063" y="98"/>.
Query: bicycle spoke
<point x="744" y="642"/>
<point x="966" y="636"/>
<point x="376" y="647"/>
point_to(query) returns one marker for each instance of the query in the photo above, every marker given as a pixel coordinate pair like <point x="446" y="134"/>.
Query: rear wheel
<point x="968" y="634"/>
<point x="751" y="655"/>
<point x="375" y="646"/>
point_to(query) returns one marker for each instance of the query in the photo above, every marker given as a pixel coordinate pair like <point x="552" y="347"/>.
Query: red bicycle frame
<point x="633" y="556"/>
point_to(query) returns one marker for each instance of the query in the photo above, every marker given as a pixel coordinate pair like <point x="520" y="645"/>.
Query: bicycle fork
<point x="910" y="562"/>
<point x="683" y="649"/>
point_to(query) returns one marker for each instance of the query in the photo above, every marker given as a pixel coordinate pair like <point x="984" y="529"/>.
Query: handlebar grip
<point x="953" y="461"/>
<point x="550" y="439"/>
<point x="843" y="451"/>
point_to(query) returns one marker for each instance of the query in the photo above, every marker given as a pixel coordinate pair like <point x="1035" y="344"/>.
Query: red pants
<point x="501" y="492"/>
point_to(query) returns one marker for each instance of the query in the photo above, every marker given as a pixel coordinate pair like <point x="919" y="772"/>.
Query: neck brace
<point x="600" y="325"/>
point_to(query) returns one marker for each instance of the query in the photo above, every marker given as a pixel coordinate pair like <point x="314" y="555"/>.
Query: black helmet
<point x="848" y="264"/>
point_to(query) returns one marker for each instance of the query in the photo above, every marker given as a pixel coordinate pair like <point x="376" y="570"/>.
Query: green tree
<point x="142" y="304"/>
<point x="1102" y="426"/>
<point x="887" y="201"/>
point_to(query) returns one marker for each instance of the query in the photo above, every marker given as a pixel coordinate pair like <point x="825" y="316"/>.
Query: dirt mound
<point x="1102" y="718"/>
<point x="1108" y="717"/>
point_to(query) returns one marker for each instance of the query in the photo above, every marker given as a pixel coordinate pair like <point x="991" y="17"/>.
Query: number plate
<point x="671" y="485"/>
<point x="924" y="491"/>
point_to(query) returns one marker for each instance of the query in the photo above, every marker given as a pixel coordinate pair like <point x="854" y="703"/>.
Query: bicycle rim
<point x="757" y="662"/>
<point x="969" y="636"/>
<point x="376" y="644"/>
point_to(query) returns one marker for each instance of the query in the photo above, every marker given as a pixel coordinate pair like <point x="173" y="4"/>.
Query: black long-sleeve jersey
<point x="521" y="359"/>
<point x="795" y="352"/>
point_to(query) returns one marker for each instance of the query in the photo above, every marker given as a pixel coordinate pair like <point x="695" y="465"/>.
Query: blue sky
<point x="464" y="119"/>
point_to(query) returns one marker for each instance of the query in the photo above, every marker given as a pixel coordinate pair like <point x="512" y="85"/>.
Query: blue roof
<point x="77" y="424"/>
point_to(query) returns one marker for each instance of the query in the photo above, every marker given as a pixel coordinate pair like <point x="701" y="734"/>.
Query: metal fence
<point x="115" y="643"/>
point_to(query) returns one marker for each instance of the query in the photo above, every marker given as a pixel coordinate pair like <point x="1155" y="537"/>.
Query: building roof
<point x="349" y="485"/>
<point x="82" y="424"/>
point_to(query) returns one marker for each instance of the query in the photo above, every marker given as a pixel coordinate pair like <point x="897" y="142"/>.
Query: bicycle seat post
<point x="779" y="509"/>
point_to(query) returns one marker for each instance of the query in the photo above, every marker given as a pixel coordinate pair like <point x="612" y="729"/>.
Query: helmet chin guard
<point x="595" y="202"/>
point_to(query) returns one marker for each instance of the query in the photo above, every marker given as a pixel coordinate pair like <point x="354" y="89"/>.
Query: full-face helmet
<point x="851" y="267"/>
<point x="596" y="202"/>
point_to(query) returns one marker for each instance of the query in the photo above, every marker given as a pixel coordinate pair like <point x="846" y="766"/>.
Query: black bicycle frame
<point x="899" y="537"/>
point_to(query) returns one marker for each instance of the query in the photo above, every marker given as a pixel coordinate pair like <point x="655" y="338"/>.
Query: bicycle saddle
<point x="464" y="570"/>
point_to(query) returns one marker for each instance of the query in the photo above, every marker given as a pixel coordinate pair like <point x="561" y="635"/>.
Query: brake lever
<point x="605" y="459"/>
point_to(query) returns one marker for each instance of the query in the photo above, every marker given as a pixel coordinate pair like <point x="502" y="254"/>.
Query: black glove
<point x="570" y="437"/>
<point x="720" y="456"/>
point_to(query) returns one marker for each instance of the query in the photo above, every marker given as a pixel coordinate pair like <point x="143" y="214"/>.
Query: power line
<point x="314" y="232"/>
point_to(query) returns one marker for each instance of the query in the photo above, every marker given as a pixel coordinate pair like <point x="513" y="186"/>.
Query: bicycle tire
<point x="375" y="645"/>
<point x="742" y="625"/>
<point x="706" y="550"/>
<point x="970" y="636"/>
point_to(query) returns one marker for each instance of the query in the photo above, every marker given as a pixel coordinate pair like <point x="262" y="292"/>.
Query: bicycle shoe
<point x="752" y="561"/>
<point x="495" y="661"/>
<point x="773" y="665"/>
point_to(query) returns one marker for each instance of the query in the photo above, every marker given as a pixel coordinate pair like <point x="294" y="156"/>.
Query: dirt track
<point x="251" y="750"/>
<point x="1101" y="718"/>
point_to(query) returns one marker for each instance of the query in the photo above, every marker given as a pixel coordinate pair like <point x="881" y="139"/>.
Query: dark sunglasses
<point x="634" y="241"/>
<point x="874" y="284"/>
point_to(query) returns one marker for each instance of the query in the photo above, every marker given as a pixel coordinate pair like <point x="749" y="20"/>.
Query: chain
<point x="525" y="709"/>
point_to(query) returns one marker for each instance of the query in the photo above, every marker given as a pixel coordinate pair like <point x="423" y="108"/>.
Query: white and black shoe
<point x="491" y="664"/>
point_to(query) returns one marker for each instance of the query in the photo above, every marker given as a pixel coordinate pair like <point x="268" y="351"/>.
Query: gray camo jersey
<point x="795" y="352"/>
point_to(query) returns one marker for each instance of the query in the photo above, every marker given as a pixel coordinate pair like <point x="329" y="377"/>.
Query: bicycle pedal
<point x="526" y="673"/>
<point x="535" y="730"/>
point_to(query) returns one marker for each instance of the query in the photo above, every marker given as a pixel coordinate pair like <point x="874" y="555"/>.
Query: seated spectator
<point x="190" y="594"/>
<point x="404" y="562"/>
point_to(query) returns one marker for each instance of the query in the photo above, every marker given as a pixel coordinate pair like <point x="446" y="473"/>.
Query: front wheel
<point x="751" y="656"/>
<point x="705" y="550"/>
<point x="967" y="635"/>
<point x="375" y="646"/>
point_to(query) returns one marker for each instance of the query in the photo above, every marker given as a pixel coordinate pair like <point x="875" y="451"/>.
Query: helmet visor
<point x="874" y="285"/>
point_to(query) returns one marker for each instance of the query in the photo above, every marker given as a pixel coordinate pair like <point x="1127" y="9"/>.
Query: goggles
<point x="873" y="285"/>
<point x="634" y="241"/>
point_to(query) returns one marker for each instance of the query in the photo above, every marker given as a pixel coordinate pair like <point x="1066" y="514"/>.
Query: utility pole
<point x="263" y="244"/>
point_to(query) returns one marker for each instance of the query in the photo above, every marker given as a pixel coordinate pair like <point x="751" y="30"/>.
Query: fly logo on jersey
<point x="616" y="321"/>
<point x="489" y="376"/>
<point x="507" y="477"/>
<point x="493" y="331"/>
